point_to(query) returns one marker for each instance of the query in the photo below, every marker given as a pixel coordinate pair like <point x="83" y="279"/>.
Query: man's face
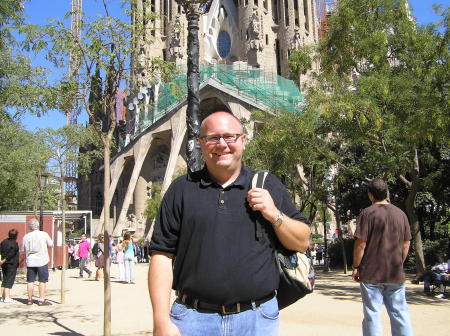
<point x="222" y="155"/>
<point x="83" y="237"/>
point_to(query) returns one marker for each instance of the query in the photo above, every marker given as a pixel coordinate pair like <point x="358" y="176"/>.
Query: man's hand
<point x="261" y="200"/>
<point x="355" y="275"/>
<point x="293" y="234"/>
<point x="169" y="329"/>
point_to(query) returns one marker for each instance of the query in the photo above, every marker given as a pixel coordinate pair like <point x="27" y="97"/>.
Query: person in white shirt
<point x="35" y="244"/>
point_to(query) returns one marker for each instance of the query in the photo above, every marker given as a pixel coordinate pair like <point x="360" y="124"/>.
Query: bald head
<point x="220" y="115"/>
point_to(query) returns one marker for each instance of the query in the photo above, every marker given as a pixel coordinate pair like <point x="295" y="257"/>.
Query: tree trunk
<point x="340" y="237"/>
<point x="64" y="251"/>
<point x="193" y="98"/>
<point x="412" y="215"/>
<point x="107" y="233"/>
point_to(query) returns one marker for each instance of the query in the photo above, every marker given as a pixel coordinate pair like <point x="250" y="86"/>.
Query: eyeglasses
<point x="215" y="139"/>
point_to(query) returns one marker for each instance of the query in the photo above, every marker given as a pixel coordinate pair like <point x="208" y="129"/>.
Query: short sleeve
<point x="407" y="235"/>
<point x="361" y="231"/>
<point x="167" y="224"/>
<point x="49" y="240"/>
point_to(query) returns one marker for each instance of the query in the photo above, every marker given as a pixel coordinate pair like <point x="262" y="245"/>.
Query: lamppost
<point x="43" y="178"/>
<point x="192" y="10"/>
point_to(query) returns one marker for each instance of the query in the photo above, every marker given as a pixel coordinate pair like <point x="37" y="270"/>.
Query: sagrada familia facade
<point x="244" y="50"/>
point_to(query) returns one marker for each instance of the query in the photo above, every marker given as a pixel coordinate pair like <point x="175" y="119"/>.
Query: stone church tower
<point x="244" y="50"/>
<point x="262" y="33"/>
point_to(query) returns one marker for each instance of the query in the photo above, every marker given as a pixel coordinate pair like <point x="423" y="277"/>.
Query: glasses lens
<point x="228" y="138"/>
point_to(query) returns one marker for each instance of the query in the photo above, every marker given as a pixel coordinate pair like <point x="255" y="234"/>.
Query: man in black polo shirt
<point x="205" y="246"/>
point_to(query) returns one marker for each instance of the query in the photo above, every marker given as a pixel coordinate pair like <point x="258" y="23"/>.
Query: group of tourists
<point x="125" y="254"/>
<point x="35" y="245"/>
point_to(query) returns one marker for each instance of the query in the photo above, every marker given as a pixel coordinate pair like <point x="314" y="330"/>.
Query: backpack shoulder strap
<point x="258" y="181"/>
<point x="259" y="178"/>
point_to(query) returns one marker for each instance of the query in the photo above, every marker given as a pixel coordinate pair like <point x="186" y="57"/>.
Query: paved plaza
<point x="333" y="309"/>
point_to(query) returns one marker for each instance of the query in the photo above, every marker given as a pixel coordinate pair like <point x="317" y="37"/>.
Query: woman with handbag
<point x="9" y="249"/>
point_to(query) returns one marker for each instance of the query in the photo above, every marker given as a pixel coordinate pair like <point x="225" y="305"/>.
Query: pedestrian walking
<point x="98" y="252"/>
<point x="36" y="244"/>
<point x="76" y="257"/>
<point x="120" y="261"/>
<point x="9" y="251"/>
<point x="204" y="244"/>
<point x="83" y="252"/>
<point x="383" y="239"/>
<point x="129" y="255"/>
<point x="319" y="253"/>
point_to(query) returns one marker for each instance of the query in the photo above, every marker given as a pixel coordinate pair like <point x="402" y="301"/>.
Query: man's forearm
<point x="160" y="278"/>
<point x="358" y="252"/>
<point x="293" y="234"/>
<point x="405" y="249"/>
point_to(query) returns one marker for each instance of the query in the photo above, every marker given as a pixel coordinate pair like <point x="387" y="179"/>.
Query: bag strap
<point x="258" y="181"/>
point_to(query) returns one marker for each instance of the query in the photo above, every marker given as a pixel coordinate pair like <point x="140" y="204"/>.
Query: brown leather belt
<point x="223" y="309"/>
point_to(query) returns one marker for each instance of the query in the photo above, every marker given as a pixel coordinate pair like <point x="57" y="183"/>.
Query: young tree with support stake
<point x="59" y="149"/>
<point x="103" y="55"/>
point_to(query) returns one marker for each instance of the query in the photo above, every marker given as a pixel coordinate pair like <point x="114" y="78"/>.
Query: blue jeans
<point x="83" y="267"/>
<point x="393" y="296"/>
<point x="259" y="321"/>
<point x="128" y="261"/>
<point x="430" y="276"/>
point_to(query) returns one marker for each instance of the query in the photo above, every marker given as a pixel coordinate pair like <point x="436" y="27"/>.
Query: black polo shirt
<point x="211" y="231"/>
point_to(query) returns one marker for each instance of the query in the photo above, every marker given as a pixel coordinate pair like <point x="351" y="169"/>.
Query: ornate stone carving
<point x="133" y="222"/>
<point x="254" y="31"/>
<point x="175" y="48"/>
<point x="296" y="40"/>
<point x="160" y="157"/>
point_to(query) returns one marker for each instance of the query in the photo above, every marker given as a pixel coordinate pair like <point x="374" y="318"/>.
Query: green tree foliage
<point x="152" y="204"/>
<point x="383" y="93"/>
<point x="22" y="158"/>
<point x="23" y="88"/>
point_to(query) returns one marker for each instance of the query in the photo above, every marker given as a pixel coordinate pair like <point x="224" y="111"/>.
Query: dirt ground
<point x="333" y="309"/>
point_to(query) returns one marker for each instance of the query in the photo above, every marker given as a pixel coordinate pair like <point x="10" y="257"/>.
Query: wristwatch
<point x="355" y="267"/>
<point x="279" y="220"/>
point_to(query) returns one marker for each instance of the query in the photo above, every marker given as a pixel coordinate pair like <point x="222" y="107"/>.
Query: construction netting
<point x="265" y="89"/>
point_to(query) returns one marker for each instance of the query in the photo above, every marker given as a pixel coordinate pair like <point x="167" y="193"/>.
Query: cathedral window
<point x="286" y="12"/>
<point x="306" y="12"/>
<point x="98" y="204"/>
<point x="275" y="13"/>
<point x="223" y="44"/>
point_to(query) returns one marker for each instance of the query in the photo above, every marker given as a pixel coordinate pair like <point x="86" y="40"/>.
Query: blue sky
<point x="39" y="11"/>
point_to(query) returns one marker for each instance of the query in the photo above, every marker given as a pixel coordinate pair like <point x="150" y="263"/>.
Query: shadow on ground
<point x="341" y="287"/>
<point x="41" y="316"/>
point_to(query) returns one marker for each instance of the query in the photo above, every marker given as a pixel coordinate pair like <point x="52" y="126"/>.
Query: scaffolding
<point x="73" y="110"/>
<point x="266" y="90"/>
<point x="325" y="8"/>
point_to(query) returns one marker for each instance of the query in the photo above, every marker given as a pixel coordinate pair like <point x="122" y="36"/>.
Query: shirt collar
<point x="205" y="179"/>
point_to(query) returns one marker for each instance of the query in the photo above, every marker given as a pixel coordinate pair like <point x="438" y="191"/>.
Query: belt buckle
<point x="238" y="309"/>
